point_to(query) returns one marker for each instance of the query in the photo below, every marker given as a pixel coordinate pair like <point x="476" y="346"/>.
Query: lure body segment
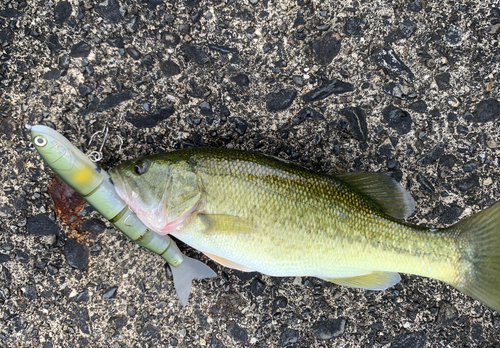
<point x="96" y="187"/>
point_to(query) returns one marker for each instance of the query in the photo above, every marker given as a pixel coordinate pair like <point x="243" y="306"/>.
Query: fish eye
<point x="140" y="167"/>
<point x="40" y="141"/>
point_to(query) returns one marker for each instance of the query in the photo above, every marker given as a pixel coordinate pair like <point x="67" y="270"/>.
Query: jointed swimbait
<point x="95" y="186"/>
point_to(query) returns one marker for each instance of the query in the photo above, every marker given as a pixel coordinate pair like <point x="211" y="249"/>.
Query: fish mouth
<point x="119" y="183"/>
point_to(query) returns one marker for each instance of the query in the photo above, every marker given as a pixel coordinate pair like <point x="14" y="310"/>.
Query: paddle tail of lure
<point x="96" y="187"/>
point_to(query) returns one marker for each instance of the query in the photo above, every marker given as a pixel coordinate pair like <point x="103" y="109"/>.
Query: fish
<point x="95" y="186"/>
<point x="254" y="212"/>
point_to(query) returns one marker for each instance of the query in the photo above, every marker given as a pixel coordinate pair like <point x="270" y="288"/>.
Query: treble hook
<point x="96" y="156"/>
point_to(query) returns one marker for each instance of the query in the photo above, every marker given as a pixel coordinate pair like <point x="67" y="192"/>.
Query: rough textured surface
<point x="170" y="74"/>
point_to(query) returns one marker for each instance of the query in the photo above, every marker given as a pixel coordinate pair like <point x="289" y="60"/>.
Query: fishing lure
<point x="96" y="187"/>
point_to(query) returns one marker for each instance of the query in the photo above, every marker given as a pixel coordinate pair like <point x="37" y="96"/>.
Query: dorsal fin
<point x="392" y="198"/>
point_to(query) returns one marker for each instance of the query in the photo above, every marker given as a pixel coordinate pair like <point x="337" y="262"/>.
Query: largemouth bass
<point x="254" y="212"/>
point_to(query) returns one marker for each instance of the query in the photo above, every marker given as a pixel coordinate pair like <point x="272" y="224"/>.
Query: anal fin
<point x="374" y="280"/>
<point x="228" y="263"/>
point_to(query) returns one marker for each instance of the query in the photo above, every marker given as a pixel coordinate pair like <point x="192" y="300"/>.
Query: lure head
<point x="66" y="160"/>
<point x="162" y="190"/>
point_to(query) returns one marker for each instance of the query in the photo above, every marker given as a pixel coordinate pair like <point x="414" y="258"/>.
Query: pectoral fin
<point x="228" y="263"/>
<point x="223" y="223"/>
<point x="370" y="281"/>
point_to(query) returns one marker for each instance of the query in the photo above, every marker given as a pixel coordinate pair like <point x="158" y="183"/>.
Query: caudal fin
<point x="479" y="243"/>
<point x="184" y="274"/>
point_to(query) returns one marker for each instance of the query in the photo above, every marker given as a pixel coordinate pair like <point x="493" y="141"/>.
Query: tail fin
<point x="479" y="241"/>
<point x="183" y="275"/>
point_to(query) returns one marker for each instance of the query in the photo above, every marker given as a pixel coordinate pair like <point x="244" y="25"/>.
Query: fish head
<point x="162" y="191"/>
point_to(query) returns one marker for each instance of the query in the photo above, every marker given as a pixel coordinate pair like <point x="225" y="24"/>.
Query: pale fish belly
<point x="278" y="256"/>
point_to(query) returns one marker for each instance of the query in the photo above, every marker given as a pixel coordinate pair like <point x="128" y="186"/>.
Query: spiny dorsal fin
<point x="383" y="190"/>
<point x="372" y="281"/>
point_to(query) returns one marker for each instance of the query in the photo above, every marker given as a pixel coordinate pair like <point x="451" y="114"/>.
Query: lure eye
<point x="40" y="141"/>
<point x="140" y="167"/>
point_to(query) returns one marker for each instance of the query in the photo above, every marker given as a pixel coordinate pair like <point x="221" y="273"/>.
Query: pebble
<point x="353" y="26"/>
<point x="131" y="311"/>
<point x="109" y="293"/>
<point x="114" y="100"/>
<point x="450" y="215"/>
<point x="77" y="255"/>
<point x="116" y="42"/>
<point x="64" y="61"/>
<point x="195" y="53"/>
<point x="42" y="225"/>
<point x="241" y="80"/>
<point x="398" y="119"/>
<point x="84" y="90"/>
<point x="279" y="302"/>
<point x="356" y="118"/>
<point x="415" y="6"/>
<point x="238" y="333"/>
<point x="81" y="297"/>
<point x="407" y="28"/>
<point x="257" y="287"/>
<point x="453" y="101"/>
<point x="94" y="226"/>
<point x="80" y="50"/>
<point x="297" y="79"/>
<point x="215" y="343"/>
<point x="425" y="184"/>
<point x="62" y="11"/>
<point x="169" y="68"/>
<point x="411" y="339"/>
<point x="468" y="183"/>
<point x="388" y="59"/>
<point x="52" y="43"/>
<point x="326" y="329"/>
<point x="486" y="110"/>
<point x="4" y="257"/>
<point x="326" y="48"/>
<point x="81" y="316"/>
<point x="6" y="211"/>
<point x="328" y="88"/>
<point x="447" y="314"/>
<point x="110" y="10"/>
<point x="30" y="292"/>
<point x="399" y="90"/>
<point x="289" y="336"/>
<point x="280" y="100"/>
<point x="52" y="74"/>
<point x="307" y="113"/>
<point x="223" y="49"/>
<point x="443" y="81"/>
<point x="205" y="108"/>
<point x="239" y="125"/>
<point x="152" y="119"/>
<point x="470" y="166"/>
<point x="135" y="54"/>
<point x="22" y="257"/>
<point x="453" y="36"/>
<point x="432" y="156"/>
<point x="118" y="321"/>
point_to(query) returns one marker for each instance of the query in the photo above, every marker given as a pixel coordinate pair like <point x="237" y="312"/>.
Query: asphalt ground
<point x="409" y="88"/>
